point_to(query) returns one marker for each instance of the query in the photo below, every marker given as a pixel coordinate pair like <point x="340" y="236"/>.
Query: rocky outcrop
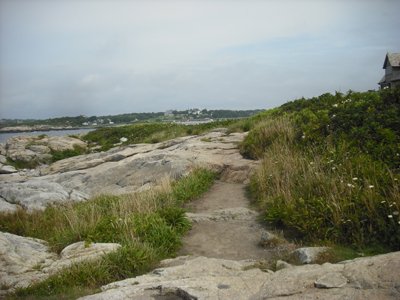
<point x="38" y="148"/>
<point x="125" y="169"/>
<point x="210" y="278"/>
<point x="25" y="260"/>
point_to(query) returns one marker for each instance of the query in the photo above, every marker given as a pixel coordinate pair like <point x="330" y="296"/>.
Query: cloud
<point x="101" y="57"/>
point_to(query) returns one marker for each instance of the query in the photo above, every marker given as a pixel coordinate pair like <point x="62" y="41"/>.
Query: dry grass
<point x="334" y="195"/>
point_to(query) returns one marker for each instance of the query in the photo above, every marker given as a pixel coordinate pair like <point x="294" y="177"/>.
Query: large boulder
<point x="37" y="194"/>
<point x="24" y="260"/>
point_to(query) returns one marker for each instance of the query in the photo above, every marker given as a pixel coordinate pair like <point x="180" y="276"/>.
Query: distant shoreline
<point x="20" y="129"/>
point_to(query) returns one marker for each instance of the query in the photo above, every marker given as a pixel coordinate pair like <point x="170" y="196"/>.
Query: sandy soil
<point x="231" y="239"/>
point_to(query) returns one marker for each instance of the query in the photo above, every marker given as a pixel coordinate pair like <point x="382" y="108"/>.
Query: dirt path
<point x="224" y="226"/>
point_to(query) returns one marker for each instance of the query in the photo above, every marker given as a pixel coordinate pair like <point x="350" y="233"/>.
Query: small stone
<point x="4" y="169"/>
<point x="308" y="255"/>
<point x="331" y="280"/>
<point x="269" y="239"/>
<point x="280" y="264"/>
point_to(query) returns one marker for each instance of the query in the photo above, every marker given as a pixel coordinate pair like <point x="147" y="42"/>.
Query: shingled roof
<point x="393" y="59"/>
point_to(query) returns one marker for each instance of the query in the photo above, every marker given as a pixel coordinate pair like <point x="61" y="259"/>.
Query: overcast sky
<point x="99" y="57"/>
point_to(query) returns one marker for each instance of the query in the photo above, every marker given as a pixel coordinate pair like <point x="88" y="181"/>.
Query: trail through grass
<point x="148" y="225"/>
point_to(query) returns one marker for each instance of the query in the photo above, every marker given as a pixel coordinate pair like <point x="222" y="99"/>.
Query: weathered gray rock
<point x="126" y="169"/>
<point x="62" y="143"/>
<point x="269" y="240"/>
<point x="3" y="151"/>
<point x="280" y="264"/>
<point x="38" y="148"/>
<point x="25" y="260"/>
<point x="209" y="278"/>
<point x="308" y="255"/>
<point x="6" y="207"/>
<point x="21" y="259"/>
<point x="190" y="278"/>
<point x="3" y="159"/>
<point x="79" y="252"/>
<point x="5" y="169"/>
<point x="331" y="280"/>
<point x="37" y="194"/>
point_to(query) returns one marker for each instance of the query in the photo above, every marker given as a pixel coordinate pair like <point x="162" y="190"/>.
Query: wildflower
<point x="398" y="222"/>
<point x="371" y="186"/>
<point x="123" y="139"/>
<point x="303" y="136"/>
<point x="355" y="179"/>
<point x="395" y="213"/>
<point x="335" y="105"/>
<point x="333" y="116"/>
<point x="383" y="201"/>
<point x="390" y="216"/>
<point x="331" y="161"/>
<point x="350" y="185"/>
<point x="390" y="205"/>
<point x="333" y="168"/>
<point x="311" y="163"/>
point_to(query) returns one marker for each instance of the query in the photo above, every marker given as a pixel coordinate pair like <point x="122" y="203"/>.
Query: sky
<point x="104" y="57"/>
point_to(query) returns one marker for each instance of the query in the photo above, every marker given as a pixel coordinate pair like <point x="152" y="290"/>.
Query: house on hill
<point x="392" y="71"/>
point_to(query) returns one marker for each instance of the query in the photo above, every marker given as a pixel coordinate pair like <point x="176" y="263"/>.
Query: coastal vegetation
<point x="148" y="225"/>
<point x="330" y="168"/>
<point x="109" y="120"/>
<point x="147" y="133"/>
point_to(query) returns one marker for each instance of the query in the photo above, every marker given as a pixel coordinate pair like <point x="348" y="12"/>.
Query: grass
<point x="147" y="133"/>
<point x="329" y="183"/>
<point x="22" y="164"/>
<point x="59" y="155"/>
<point x="148" y="225"/>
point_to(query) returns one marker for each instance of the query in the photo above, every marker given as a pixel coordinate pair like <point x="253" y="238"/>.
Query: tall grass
<point x="353" y="202"/>
<point x="326" y="192"/>
<point x="148" y="225"/>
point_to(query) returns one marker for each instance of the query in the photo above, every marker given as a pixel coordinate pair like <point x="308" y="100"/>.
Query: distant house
<point x="392" y="71"/>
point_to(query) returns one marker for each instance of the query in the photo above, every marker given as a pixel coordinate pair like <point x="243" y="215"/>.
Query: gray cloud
<point x="105" y="57"/>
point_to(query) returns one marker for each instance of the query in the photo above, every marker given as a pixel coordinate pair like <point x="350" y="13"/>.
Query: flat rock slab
<point x="210" y="278"/>
<point x="331" y="280"/>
